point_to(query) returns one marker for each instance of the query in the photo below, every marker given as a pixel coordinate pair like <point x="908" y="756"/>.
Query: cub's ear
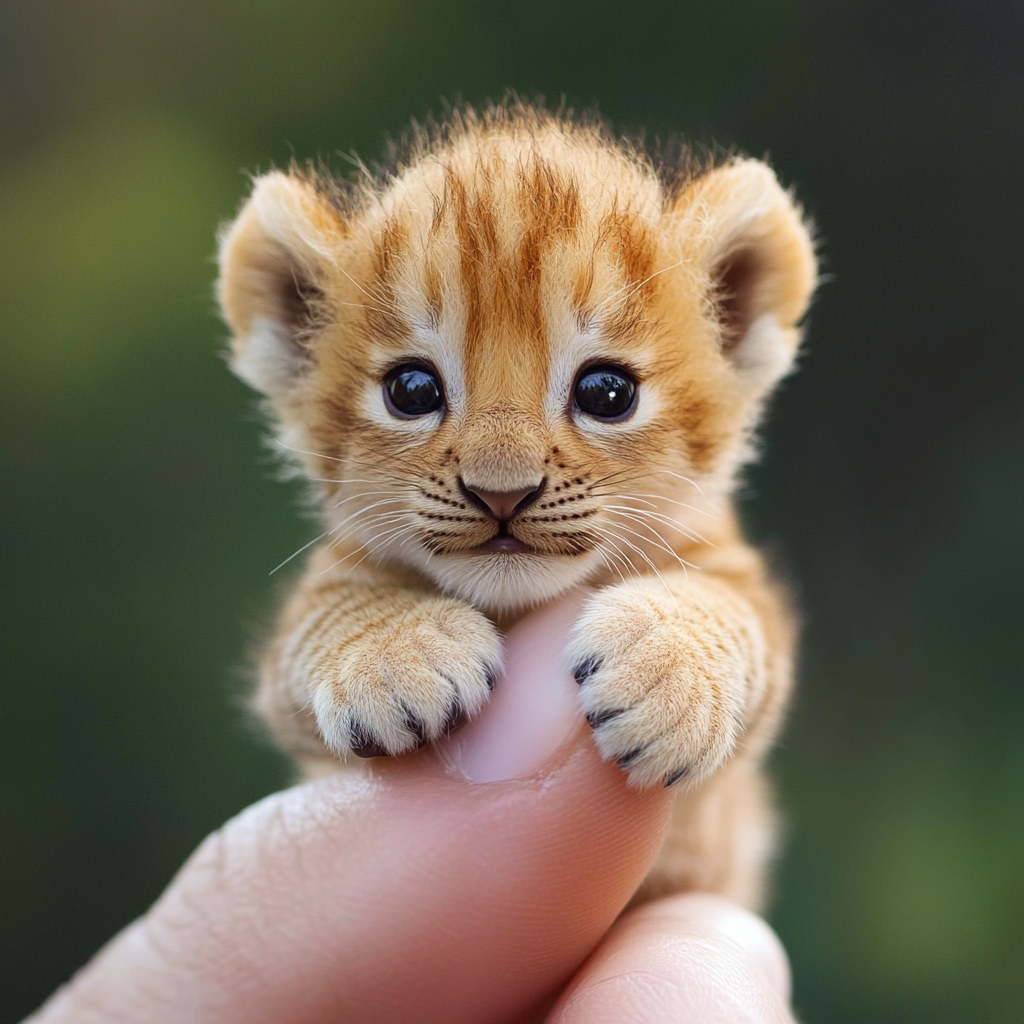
<point x="755" y="255"/>
<point x="272" y="258"/>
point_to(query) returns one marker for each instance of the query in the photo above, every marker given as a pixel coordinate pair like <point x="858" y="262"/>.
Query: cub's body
<point x="525" y="361"/>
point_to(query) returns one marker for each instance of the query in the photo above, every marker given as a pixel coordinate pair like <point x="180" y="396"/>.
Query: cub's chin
<point x="504" y="578"/>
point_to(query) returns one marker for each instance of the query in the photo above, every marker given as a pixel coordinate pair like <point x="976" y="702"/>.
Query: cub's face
<point x="518" y="364"/>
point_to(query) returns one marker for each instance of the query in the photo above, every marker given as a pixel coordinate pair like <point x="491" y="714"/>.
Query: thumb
<point x="406" y="891"/>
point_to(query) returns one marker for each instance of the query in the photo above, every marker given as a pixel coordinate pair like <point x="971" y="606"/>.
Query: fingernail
<point x="534" y="707"/>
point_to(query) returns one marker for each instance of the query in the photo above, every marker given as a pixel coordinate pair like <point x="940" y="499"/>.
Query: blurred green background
<point x="140" y="516"/>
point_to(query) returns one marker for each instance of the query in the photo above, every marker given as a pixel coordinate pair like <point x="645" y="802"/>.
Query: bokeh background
<point x="140" y="515"/>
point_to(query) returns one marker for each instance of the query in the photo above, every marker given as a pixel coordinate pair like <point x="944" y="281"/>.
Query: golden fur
<point x="505" y="252"/>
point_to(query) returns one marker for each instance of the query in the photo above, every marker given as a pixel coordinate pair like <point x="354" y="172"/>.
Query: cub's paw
<point x="410" y="679"/>
<point x="661" y="689"/>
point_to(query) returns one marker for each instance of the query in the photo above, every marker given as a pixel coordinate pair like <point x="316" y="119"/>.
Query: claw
<point x="363" y="746"/>
<point x="630" y="758"/>
<point x="416" y="727"/>
<point x="456" y="720"/>
<point x="596" y="718"/>
<point x="585" y="669"/>
<point x="676" y="776"/>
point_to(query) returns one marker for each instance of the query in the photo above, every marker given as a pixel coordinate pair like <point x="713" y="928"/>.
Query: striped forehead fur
<point x="527" y="163"/>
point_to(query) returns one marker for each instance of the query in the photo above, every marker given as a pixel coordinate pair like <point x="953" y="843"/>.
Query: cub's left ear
<point x="756" y="257"/>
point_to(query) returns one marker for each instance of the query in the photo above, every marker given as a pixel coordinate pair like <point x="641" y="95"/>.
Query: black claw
<point x="491" y="678"/>
<point x="416" y="727"/>
<point x="585" y="669"/>
<point x="630" y="758"/>
<point x="456" y="720"/>
<point x="363" y="746"/>
<point x="676" y="776"/>
<point x="596" y="718"/>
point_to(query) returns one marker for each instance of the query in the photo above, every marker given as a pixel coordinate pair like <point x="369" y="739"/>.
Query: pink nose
<point x="502" y="504"/>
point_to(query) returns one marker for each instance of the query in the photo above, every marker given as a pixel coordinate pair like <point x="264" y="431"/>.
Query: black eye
<point x="413" y="391"/>
<point x="605" y="392"/>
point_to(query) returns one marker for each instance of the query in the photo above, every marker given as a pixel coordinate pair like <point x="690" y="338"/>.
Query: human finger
<point x="695" y="958"/>
<point x="403" y="892"/>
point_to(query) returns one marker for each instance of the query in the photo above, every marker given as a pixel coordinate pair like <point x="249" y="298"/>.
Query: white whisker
<point x="641" y="495"/>
<point x="658" y="541"/>
<point x="342" y="482"/>
<point x="302" y="451"/>
<point x="380" y="519"/>
<point x="369" y="548"/>
<point x="639" y="514"/>
<point x="369" y="494"/>
<point x="654" y="568"/>
<point x="295" y="554"/>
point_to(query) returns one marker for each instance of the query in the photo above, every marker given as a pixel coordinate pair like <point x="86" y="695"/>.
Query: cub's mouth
<point x="504" y="543"/>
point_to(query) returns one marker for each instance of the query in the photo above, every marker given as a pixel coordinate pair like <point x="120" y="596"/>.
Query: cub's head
<point x="522" y="358"/>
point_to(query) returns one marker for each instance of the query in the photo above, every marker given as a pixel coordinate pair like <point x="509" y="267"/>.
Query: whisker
<point x="654" y="568"/>
<point x="380" y="519"/>
<point x="640" y="513"/>
<point x="295" y="554"/>
<point x="618" y="553"/>
<point x="383" y="542"/>
<point x="368" y="508"/>
<point x="302" y="451"/>
<point x="640" y="495"/>
<point x="679" y="476"/>
<point x="368" y="549"/>
<point x="326" y="533"/>
<point x="368" y="494"/>
<point x="631" y="473"/>
<point x="341" y="482"/>
<point x="637" y="516"/>
<point x="658" y="541"/>
<point x="606" y="556"/>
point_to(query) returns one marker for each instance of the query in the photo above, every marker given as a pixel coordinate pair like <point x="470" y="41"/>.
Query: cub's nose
<point x="501" y="504"/>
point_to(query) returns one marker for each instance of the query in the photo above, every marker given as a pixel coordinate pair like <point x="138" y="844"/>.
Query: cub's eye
<point x="412" y="391"/>
<point x="605" y="392"/>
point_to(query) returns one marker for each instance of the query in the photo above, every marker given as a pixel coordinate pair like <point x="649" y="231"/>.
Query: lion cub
<point x="522" y="359"/>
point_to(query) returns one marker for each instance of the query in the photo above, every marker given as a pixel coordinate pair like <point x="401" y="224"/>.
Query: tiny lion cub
<point x="525" y="357"/>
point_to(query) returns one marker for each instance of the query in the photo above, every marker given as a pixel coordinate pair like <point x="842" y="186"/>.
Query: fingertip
<point x="688" y="957"/>
<point x="708" y="913"/>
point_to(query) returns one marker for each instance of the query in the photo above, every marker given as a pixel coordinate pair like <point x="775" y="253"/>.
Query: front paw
<point x="410" y="679"/>
<point x="661" y="684"/>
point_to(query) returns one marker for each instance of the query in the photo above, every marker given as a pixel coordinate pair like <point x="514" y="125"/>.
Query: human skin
<point x="481" y="882"/>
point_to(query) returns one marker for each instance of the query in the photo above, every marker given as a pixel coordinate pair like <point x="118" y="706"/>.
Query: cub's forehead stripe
<point x="503" y="272"/>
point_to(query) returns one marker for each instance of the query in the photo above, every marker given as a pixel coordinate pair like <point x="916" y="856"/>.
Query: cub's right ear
<point x="272" y="258"/>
